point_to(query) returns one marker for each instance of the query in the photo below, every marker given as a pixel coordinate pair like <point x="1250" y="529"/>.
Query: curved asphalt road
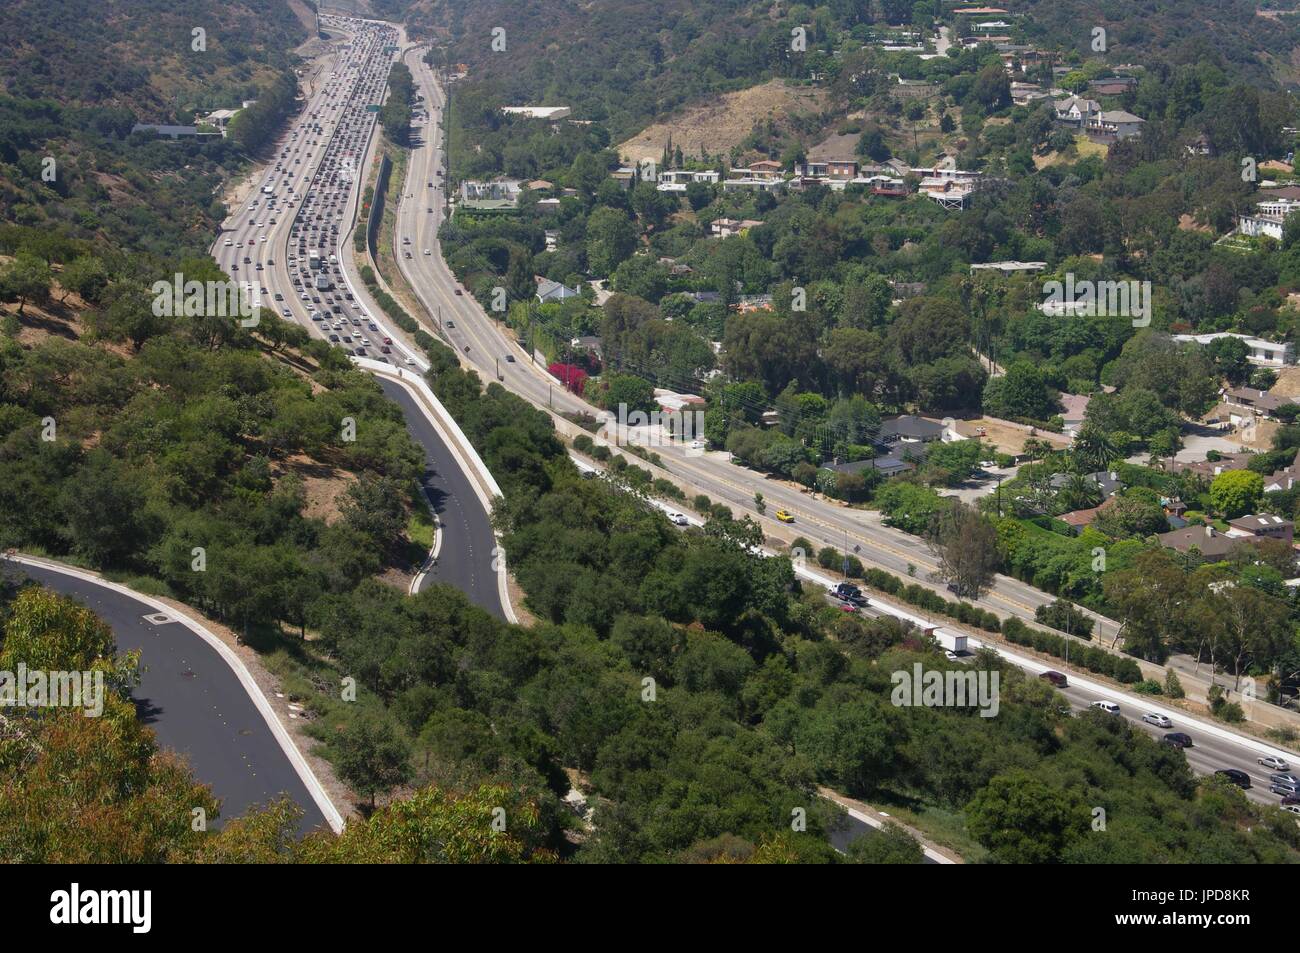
<point x="195" y="704"/>
<point x="465" y="553"/>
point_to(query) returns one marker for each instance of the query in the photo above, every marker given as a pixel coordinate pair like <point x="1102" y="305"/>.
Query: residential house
<point x="1113" y="124"/>
<point x="172" y="132"/>
<point x="1258" y="351"/>
<point x="1262" y="526"/>
<point x="496" y="190"/>
<point x="1270" y="217"/>
<point x="727" y="227"/>
<point x="553" y="291"/>
<point x="1012" y="267"/>
<point x="1246" y="403"/>
<point x="538" y="112"/>
<point x="1076" y="110"/>
<point x="908" y="428"/>
<point x="1205" y="540"/>
<point x="1209" y="468"/>
<point x="1077" y="520"/>
<point x="1107" y="482"/>
<point x="1112" y="85"/>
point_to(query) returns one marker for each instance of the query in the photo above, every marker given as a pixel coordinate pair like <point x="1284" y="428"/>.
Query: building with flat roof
<point x="538" y="112"/>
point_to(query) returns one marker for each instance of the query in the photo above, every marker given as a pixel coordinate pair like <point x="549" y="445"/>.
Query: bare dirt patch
<point x="723" y="123"/>
<point x="1006" y="436"/>
<point x="1288" y="382"/>
<point x="322" y="484"/>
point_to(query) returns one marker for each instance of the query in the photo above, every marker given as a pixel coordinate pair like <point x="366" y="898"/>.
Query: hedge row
<point x="386" y="302"/>
<point x="1122" y="669"/>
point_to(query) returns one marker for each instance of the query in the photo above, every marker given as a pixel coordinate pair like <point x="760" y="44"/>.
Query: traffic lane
<point x="465" y="559"/>
<point x="1207" y="754"/>
<point x="195" y="705"/>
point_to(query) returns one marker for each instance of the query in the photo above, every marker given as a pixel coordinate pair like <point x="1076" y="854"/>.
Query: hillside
<point x="723" y="123"/>
<point x="77" y="76"/>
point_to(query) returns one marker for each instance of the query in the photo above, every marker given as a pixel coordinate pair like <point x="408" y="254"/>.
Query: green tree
<point x="1236" y="492"/>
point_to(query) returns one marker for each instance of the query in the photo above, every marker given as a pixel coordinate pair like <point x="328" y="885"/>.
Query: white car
<point x="1157" y="719"/>
<point x="427" y="252"/>
<point x="1274" y="764"/>
<point x="1109" y="708"/>
<point x="229" y="243"/>
<point x="677" y="519"/>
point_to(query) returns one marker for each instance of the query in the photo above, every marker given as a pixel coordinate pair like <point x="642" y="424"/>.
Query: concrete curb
<point x="467" y="458"/>
<point x="236" y="665"/>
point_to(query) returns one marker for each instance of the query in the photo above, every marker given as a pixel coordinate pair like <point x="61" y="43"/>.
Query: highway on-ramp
<point x="194" y="702"/>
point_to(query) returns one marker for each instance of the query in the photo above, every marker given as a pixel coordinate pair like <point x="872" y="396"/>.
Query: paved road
<point x="465" y="552"/>
<point x="195" y="704"/>
<point x="482" y="344"/>
<point x="316" y="191"/>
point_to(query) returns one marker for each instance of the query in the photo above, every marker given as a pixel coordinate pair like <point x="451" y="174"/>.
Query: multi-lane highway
<point x="293" y="236"/>
<point x="485" y="345"/>
<point x="195" y="703"/>
<point x="331" y="200"/>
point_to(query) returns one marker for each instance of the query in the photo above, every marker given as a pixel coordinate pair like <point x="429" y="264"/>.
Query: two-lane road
<point x="195" y="703"/>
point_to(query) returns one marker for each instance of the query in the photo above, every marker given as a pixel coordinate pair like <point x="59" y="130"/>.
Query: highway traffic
<point x="294" y="236"/>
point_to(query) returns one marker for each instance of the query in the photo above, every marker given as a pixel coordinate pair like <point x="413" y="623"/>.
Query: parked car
<point x="1157" y="719"/>
<point x="677" y="519"/>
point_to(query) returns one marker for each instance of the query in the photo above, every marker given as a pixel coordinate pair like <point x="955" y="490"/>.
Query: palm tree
<point x="1079" y="493"/>
<point x="1093" y="450"/>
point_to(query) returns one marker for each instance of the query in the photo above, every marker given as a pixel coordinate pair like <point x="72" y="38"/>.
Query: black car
<point x="1180" y="739"/>
<point x="1239" y="778"/>
<point x="1057" y="679"/>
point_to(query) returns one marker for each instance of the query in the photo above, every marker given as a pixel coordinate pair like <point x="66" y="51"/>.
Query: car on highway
<point x="1109" y="708"/>
<point x="510" y="358"/>
<point x="1285" y="778"/>
<point x="1157" y="719"/>
<point x="1273" y="764"/>
<point x="677" y="519"/>
<point x="1057" y="679"/>
<point x="784" y="517"/>
<point x="458" y="291"/>
<point x="1286" y="790"/>
<point x="451" y="324"/>
<point x="1240" y="778"/>
<point x="1178" y="739"/>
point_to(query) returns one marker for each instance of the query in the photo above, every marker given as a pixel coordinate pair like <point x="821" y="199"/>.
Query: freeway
<point x="318" y="170"/>
<point x="1214" y="747"/>
<point x="195" y="703"/>
<point x="483" y="344"/>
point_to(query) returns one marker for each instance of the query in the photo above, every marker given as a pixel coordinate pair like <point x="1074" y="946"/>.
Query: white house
<point x="1261" y="352"/>
<point x="1076" y="110"/>
<point x="538" y="112"/>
